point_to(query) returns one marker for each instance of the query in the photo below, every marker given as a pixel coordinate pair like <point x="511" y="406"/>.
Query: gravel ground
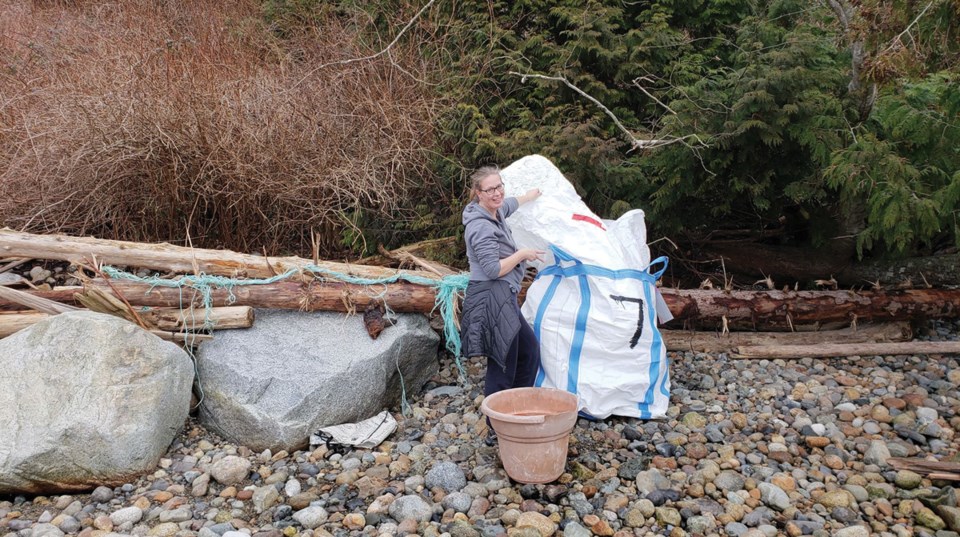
<point x="748" y="448"/>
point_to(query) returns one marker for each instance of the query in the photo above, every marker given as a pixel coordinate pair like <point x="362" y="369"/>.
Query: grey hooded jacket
<point x="491" y="319"/>
<point x="488" y="241"/>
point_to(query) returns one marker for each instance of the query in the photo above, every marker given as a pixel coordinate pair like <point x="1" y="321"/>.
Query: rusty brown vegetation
<point x="143" y="120"/>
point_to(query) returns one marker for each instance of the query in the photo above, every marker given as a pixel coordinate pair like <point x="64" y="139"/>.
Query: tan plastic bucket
<point x="533" y="428"/>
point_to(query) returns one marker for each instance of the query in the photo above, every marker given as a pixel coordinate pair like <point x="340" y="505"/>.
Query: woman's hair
<point x="480" y="174"/>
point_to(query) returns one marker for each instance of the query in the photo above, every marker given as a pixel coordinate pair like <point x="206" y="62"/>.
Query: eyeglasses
<point x="491" y="190"/>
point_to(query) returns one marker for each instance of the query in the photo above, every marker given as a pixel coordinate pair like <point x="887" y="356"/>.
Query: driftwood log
<point x="788" y="310"/>
<point x="933" y="469"/>
<point x="702" y="309"/>
<point x="697" y="341"/>
<point x="176" y="259"/>
<point x="709" y="309"/>
<point x="50" y="307"/>
<point x="830" y="350"/>
<point x="166" y="319"/>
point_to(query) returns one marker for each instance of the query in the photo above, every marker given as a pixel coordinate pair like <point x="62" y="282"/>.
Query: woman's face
<point x="490" y="192"/>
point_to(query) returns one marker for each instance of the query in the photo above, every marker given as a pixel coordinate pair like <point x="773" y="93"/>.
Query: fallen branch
<point x="15" y="321"/>
<point x="403" y="256"/>
<point x="222" y="318"/>
<point x="830" y="350"/>
<point x="12" y="265"/>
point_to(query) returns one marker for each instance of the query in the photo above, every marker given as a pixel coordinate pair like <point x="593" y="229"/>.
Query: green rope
<point x="448" y="290"/>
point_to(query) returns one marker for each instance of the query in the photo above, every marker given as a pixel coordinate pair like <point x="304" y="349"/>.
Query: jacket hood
<point x="473" y="211"/>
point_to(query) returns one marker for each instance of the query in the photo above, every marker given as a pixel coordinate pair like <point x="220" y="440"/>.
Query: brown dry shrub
<point x="155" y="120"/>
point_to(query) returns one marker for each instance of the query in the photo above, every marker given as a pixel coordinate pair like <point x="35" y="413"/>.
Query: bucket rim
<point x="528" y="420"/>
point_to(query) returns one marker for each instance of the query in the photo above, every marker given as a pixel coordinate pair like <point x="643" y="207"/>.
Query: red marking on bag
<point x="585" y="218"/>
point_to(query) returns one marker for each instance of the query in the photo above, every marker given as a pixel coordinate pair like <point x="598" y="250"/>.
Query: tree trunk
<point x="177" y="259"/>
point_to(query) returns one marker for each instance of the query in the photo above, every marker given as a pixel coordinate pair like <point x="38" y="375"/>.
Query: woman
<point x="491" y="324"/>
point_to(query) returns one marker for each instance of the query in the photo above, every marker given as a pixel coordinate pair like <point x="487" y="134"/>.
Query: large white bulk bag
<point x="594" y="304"/>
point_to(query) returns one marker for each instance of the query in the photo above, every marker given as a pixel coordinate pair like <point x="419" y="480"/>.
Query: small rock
<point x="230" y="470"/>
<point x="127" y="515"/>
<point x="102" y="494"/>
<point x="447" y="476"/>
<point x="543" y="525"/>
<point x="410" y="507"/>
<point x="311" y="517"/>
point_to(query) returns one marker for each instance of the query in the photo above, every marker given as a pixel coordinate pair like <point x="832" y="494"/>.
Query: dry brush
<point x="146" y="121"/>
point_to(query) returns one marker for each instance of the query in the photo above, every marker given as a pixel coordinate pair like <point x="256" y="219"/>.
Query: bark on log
<point x="167" y="257"/>
<point x="166" y="319"/>
<point x="786" y="310"/>
<point x="684" y="340"/>
<point x="222" y="318"/>
<point x="313" y="296"/>
<point x="752" y="310"/>
<point x="831" y="350"/>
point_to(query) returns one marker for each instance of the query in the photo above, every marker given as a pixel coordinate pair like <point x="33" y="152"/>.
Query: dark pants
<point x="522" y="363"/>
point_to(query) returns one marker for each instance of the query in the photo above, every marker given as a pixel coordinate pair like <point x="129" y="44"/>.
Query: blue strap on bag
<point x="567" y="266"/>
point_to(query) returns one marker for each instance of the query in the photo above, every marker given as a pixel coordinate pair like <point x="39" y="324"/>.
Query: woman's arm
<point x="514" y="259"/>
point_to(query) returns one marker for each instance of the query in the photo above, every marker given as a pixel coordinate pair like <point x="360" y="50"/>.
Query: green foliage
<point x="906" y="164"/>
<point x="792" y="132"/>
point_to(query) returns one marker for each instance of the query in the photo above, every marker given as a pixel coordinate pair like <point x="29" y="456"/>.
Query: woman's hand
<point x="530" y="254"/>
<point x="526" y="254"/>
<point x="530" y="195"/>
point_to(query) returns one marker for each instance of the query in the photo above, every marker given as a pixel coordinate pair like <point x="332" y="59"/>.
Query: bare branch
<point x="636" y="82"/>
<point x="372" y="56"/>
<point x="637" y="143"/>
<point x="896" y="40"/>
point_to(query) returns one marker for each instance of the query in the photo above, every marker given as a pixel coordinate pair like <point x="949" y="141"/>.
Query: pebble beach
<point x="748" y="448"/>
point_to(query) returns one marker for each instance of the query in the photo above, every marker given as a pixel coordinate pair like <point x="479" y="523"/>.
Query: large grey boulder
<point x="273" y="385"/>
<point x="87" y="399"/>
